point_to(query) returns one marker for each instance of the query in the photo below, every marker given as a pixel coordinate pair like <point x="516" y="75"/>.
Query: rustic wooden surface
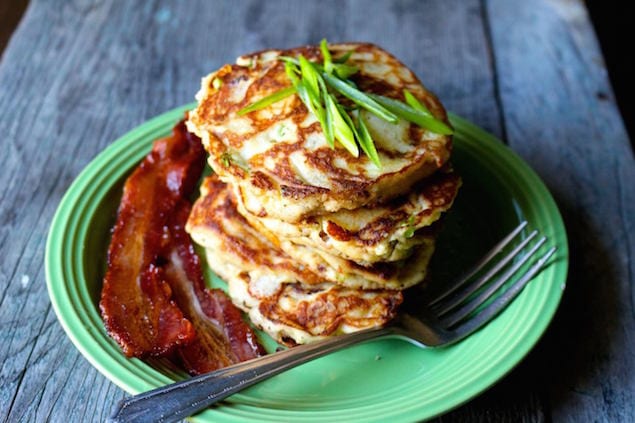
<point x="78" y="74"/>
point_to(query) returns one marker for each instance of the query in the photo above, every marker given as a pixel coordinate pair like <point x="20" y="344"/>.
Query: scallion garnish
<point x="288" y="59"/>
<point x="366" y="141"/>
<point x="326" y="54"/>
<point x="345" y="71"/>
<point x="341" y="129"/>
<point x="410" y="114"/>
<point x="305" y="91"/>
<point x="410" y="227"/>
<point x="344" y="58"/>
<point x="311" y="82"/>
<point x="310" y="99"/>
<point x="291" y="69"/>
<point x="348" y="120"/>
<point x="309" y="75"/>
<point x="414" y="103"/>
<point x="360" y="98"/>
<point x="328" y="117"/>
<point x="268" y="100"/>
<point x="226" y="159"/>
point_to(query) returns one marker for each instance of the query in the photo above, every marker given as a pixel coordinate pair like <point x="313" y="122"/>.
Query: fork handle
<point x="178" y="400"/>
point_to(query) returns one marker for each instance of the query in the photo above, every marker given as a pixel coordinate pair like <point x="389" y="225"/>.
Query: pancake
<point x="281" y="295"/>
<point x="278" y="156"/>
<point x="383" y="233"/>
<point x="216" y="224"/>
<point x="296" y="314"/>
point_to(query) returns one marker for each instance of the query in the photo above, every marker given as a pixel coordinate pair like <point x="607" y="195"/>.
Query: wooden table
<point x="77" y="75"/>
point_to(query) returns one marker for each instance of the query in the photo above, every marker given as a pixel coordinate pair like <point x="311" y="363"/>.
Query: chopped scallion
<point x="309" y="75"/>
<point x="226" y="159"/>
<point x="341" y="130"/>
<point x="328" y="118"/>
<point x="309" y="99"/>
<point x="366" y="141"/>
<point x="345" y="71"/>
<point x="344" y="58"/>
<point x="414" y="103"/>
<point x="360" y="98"/>
<point x="316" y="85"/>
<point x="288" y="59"/>
<point x="410" y="114"/>
<point x="307" y="95"/>
<point x="326" y="54"/>
<point x="292" y="72"/>
<point x="267" y="101"/>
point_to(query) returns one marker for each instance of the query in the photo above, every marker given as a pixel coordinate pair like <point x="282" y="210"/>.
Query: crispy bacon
<point x="154" y="299"/>
<point x="222" y="337"/>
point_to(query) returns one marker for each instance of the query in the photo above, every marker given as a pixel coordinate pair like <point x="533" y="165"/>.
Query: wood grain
<point x="561" y="116"/>
<point x="77" y="75"/>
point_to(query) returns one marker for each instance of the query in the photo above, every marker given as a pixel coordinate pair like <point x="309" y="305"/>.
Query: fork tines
<point x="463" y="297"/>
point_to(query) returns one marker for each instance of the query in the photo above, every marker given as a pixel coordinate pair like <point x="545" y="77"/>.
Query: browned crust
<point x="217" y="205"/>
<point x="440" y="189"/>
<point x="348" y="191"/>
<point x="216" y="212"/>
<point x="331" y="309"/>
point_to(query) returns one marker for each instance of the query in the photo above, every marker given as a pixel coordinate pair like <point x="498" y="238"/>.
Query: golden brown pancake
<point x="216" y="224"/>
<point x="281" y="295"/>
<point x="384" y="233"/>
<point x="313" y="241"/>
<point x="295" y="314"/>
<point x="278" y="156"/>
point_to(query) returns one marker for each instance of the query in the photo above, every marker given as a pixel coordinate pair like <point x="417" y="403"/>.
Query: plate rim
<point x="62" y="305"/>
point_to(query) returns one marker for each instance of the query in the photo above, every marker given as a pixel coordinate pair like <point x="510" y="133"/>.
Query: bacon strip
<point x="154" y="299"/>
<point x="221" y="333"/>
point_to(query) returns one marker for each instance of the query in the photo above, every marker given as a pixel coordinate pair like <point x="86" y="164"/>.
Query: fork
<point x="454" y="312"/>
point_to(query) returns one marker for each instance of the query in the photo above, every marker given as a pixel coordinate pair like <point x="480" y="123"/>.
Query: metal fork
<point x="445" y="317"/>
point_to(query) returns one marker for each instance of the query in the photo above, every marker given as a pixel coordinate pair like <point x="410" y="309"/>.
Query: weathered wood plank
<point x="561" y="116"/>
<point x="122" y="64"/>
<point x="94" y="70"/>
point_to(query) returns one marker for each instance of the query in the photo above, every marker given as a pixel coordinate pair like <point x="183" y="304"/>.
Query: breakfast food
<point x="384" y="232"/>
<point x="154" y="301"/>
<point x="313" y="238"/>
<point x="278" y="158"/>
<point x="289" y="301"/>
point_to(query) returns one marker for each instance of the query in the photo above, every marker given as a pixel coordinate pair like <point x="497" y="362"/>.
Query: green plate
<point x="386" y="380"/>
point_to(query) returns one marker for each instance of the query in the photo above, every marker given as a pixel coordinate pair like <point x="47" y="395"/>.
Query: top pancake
<point x="278" y="156"/>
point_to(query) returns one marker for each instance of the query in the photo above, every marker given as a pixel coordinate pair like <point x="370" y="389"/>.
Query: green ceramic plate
<point x="387" y="380"/>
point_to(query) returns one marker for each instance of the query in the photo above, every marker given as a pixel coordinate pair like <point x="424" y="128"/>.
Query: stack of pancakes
<point x="311" y="240"/>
